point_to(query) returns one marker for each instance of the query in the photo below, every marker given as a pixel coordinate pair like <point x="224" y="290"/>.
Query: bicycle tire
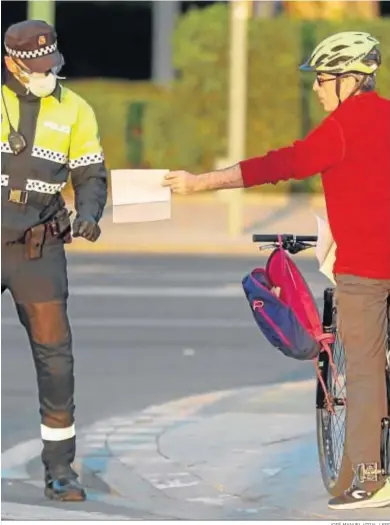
<point x="335" y="466"/>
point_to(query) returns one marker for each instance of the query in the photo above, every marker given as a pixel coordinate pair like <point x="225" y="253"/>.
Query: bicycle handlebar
<point x="291" y="243"/>
<point x="285" y="238"/>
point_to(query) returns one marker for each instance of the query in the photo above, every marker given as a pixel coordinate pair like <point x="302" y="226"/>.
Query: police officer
<point x="47" y="132"/>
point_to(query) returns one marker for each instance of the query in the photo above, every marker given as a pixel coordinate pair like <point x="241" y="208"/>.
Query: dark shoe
<point x="356" y="498"/>
<point x="63" y="486"/>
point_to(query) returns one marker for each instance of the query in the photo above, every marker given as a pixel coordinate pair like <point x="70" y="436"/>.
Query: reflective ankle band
<point x="57" y="434"/>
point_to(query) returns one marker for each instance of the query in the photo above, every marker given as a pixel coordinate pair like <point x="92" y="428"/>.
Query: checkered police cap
<point x="35" y="43"/>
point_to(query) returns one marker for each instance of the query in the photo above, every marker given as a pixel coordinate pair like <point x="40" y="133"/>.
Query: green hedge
<point x="111" y="100"/>
<point x="187" y="128"/>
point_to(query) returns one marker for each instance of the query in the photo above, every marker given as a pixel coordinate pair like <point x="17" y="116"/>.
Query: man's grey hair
<point x="369" y="83"/>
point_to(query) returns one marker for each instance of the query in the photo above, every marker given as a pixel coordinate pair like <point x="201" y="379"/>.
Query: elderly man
<point x="351" y="149"/>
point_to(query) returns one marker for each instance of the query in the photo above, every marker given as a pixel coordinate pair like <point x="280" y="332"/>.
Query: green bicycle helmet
<point x="346" y="52"/>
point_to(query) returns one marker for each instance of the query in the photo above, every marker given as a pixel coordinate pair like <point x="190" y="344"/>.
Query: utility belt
<point x="35" y="191"/>
<point x="58" y="227"/>
<point x="28" y="197"/>
<point x="43" y="194"/>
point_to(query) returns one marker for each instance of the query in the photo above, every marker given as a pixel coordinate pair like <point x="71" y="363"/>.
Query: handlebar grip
<point x="286" y="237"/>
<point x="307" y="238"/>
<point x="267" y="238"/>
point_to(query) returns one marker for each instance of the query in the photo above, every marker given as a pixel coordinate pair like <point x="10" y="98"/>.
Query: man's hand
<point x="86" y="227"/>
<point x="182" y="182"/>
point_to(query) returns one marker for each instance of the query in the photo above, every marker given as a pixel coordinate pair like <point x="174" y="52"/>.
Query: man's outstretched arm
<point x="183" y="182"/>
<point x="320" y="150"/>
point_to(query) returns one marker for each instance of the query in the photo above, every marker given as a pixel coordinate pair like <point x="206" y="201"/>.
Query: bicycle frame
<point x="324" y="357"/>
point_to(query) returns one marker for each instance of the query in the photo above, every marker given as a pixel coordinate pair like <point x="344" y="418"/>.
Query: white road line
<point x="127" y="446"/>
<point x="209" y="501"/>
<point x="93" y="445"/>
<point x="147" y="323"/>
<point x="19" y="511"/>
<point x="99" y="438"/>
<point x="132" y="438"/>
<point x="230" y="291"/>
<point x="102" y="429"/>
<point x="130" y="429"/>
<point x="137" y="273"/>
<point x="174" y="484"/>
<point x="132" y="460"/>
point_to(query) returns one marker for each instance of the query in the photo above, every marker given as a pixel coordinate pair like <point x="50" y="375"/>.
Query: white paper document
<point x="137" y="196"/>
<point x="326" y="249"/>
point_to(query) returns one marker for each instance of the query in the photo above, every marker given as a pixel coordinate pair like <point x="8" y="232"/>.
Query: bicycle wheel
<point x="385" y="452"/>
<point x="388" y="359"/>
<point x="336" y="468"/>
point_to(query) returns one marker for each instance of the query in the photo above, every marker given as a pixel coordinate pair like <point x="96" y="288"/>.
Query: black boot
<point x="61" y="484"/>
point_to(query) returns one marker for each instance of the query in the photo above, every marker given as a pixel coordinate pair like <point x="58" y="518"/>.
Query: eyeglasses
<point x="321" y="81"/>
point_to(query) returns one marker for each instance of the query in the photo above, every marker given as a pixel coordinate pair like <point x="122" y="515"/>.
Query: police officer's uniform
<point x="61" y="136"/>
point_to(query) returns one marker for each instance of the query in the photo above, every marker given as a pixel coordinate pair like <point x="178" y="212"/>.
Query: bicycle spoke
<point x="334" y="423"/>
<point x="338" y="419"/>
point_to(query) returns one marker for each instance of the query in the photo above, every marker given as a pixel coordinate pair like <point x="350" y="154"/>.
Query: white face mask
<point x="41" y="85"/>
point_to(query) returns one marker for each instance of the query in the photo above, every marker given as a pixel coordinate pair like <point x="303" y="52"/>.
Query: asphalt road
<point x="142" y="335"/>
<point x="147" y="330"/>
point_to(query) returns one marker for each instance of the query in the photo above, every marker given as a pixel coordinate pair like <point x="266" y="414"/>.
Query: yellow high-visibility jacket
<point x="62" y="137"/>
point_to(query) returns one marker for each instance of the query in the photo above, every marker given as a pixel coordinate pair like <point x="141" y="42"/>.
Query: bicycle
<point x="331" y="395"/>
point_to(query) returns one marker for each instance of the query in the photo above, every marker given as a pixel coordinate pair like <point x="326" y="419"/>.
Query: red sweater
<point x="351" y="150"/>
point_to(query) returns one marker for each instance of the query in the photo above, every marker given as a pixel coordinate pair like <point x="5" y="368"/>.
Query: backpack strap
<point x="325" y="338"/>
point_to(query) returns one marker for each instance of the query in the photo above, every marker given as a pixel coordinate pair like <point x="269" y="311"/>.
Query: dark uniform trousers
<point x="40" y="290"/>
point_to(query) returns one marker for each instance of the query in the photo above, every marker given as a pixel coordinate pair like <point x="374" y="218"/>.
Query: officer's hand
<point x="86" y="227"/>
<point x="181" y="182"/>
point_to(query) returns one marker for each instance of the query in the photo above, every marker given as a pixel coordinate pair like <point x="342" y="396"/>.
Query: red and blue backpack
<point x="284" y="307"/>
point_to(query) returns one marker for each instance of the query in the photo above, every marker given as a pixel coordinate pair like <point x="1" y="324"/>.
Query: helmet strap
<point x="338" y="87"/>
<point x="359" y="85"/>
